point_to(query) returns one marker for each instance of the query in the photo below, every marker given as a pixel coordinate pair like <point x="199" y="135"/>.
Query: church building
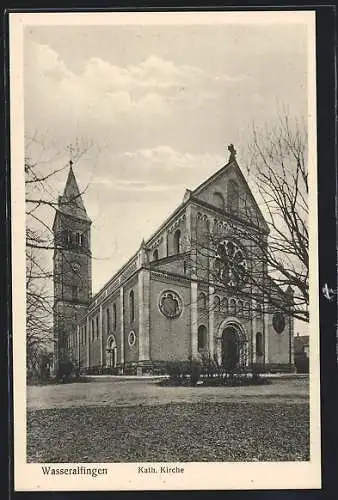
<point x="197" y="288"/>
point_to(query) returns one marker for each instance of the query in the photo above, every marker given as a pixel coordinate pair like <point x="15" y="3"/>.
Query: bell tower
<point x="72" y="273"/>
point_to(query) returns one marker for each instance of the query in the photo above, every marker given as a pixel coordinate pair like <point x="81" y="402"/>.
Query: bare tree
<point x="42" y="165"/>
<point x="269" y="269"/>
<point x="280" y="169"/>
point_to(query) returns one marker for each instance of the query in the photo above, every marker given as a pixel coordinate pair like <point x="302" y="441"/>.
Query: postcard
<point x="164" y="249"/>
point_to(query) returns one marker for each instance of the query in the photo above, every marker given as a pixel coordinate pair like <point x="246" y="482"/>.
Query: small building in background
<point x="301" y="353"/>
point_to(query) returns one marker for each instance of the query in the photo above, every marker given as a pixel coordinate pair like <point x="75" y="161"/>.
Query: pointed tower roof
<point x="70" y="203"/>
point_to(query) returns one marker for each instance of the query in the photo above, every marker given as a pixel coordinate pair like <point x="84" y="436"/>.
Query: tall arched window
<point x="131" y="306"/>
<point x="233" y="196"/>
<point x="83" y="240"/>
<point x="202" y="301"/>
<point x="177" y="241"/>
<point x="232" y="307"/>
<point x="218" y="200"/>
<point x="114" y="316"/>
<point x="93" y="329"/>
<point x="259" y="344"/>
<point x="155" y="254"/>
<point x="259" y="311"/>
<point x="217" y="303"/>
<point x="240" y="308"/>
<point x="108" y="319"/>
<point x="202" y="337"/>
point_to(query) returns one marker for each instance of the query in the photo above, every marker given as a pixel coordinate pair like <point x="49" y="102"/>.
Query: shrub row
<point x="191" y="371"/>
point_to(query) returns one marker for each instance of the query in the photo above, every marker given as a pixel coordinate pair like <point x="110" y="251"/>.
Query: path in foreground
<point x="121" y="392"/>
<point x="179" y="432"/>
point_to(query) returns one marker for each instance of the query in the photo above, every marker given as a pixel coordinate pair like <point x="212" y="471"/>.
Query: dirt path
<point x="123" y="392"/>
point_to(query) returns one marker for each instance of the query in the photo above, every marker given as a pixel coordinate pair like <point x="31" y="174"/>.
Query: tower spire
<point x="71" y="203"/>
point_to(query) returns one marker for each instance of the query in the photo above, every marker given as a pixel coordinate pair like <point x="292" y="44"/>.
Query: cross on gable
<point x="232" y="152"/>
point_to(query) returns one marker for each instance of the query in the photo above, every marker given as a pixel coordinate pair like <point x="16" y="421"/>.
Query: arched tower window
<point x="202" y="301"/>
<point x="155" y="254"/>
<point x="233" y="196"/>
<point x="177" y="241"/>
<point x="84" y="240"/>
<point x="259" y="344"/>
<point x="202" y="337"/>
<point x="218" y="200"/>
<point x="240" y="308"/>
<point x="131" y="306"/>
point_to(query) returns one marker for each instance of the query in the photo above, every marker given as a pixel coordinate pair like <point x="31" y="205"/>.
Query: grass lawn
<point x="174" y="432"/>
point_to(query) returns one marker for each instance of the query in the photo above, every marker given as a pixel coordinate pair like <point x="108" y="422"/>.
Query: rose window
<point x="230" y="263"/>
<point x="170" y="304"/>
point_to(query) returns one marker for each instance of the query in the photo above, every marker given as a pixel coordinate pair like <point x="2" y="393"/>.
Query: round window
<point x="278" y="322"/>
<point x="131" y="338"/>
<point x="230" y="263"/>
<point x="170" y="304"/>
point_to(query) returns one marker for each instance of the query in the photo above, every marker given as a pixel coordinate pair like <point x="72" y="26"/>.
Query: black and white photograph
<point x="165" y="274"/>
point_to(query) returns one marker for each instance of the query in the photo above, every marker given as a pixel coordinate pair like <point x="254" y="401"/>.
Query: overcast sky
<point x="160" y="104"/>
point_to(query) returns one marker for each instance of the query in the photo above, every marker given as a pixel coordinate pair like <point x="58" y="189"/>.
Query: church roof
<point x="70" y="203"/>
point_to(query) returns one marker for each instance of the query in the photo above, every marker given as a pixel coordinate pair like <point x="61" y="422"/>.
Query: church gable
<point x="227" y="190"/>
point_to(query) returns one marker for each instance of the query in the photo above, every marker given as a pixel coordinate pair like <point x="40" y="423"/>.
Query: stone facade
<point x="167" y="302"/>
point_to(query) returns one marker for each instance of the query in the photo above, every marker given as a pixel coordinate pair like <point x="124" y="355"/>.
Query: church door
<point x="112" y="357"/>
<point x="111" y="352"/>
<point x="230" y="348"/>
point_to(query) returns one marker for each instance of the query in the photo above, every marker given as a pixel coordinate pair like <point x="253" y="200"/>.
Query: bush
<point x="184" y="372"/>
<point x="209" y="366"/>
<point x="195" y="371"/>
<point x="67" y="370"/>
<point x="302" y="364"/>
<point x="177" y="370"/>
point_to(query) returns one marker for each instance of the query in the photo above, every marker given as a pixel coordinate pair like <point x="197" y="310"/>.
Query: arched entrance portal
<point x="230" y="348"/>
<point x="233" y="347"/>
<point x="111" y="352"/>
